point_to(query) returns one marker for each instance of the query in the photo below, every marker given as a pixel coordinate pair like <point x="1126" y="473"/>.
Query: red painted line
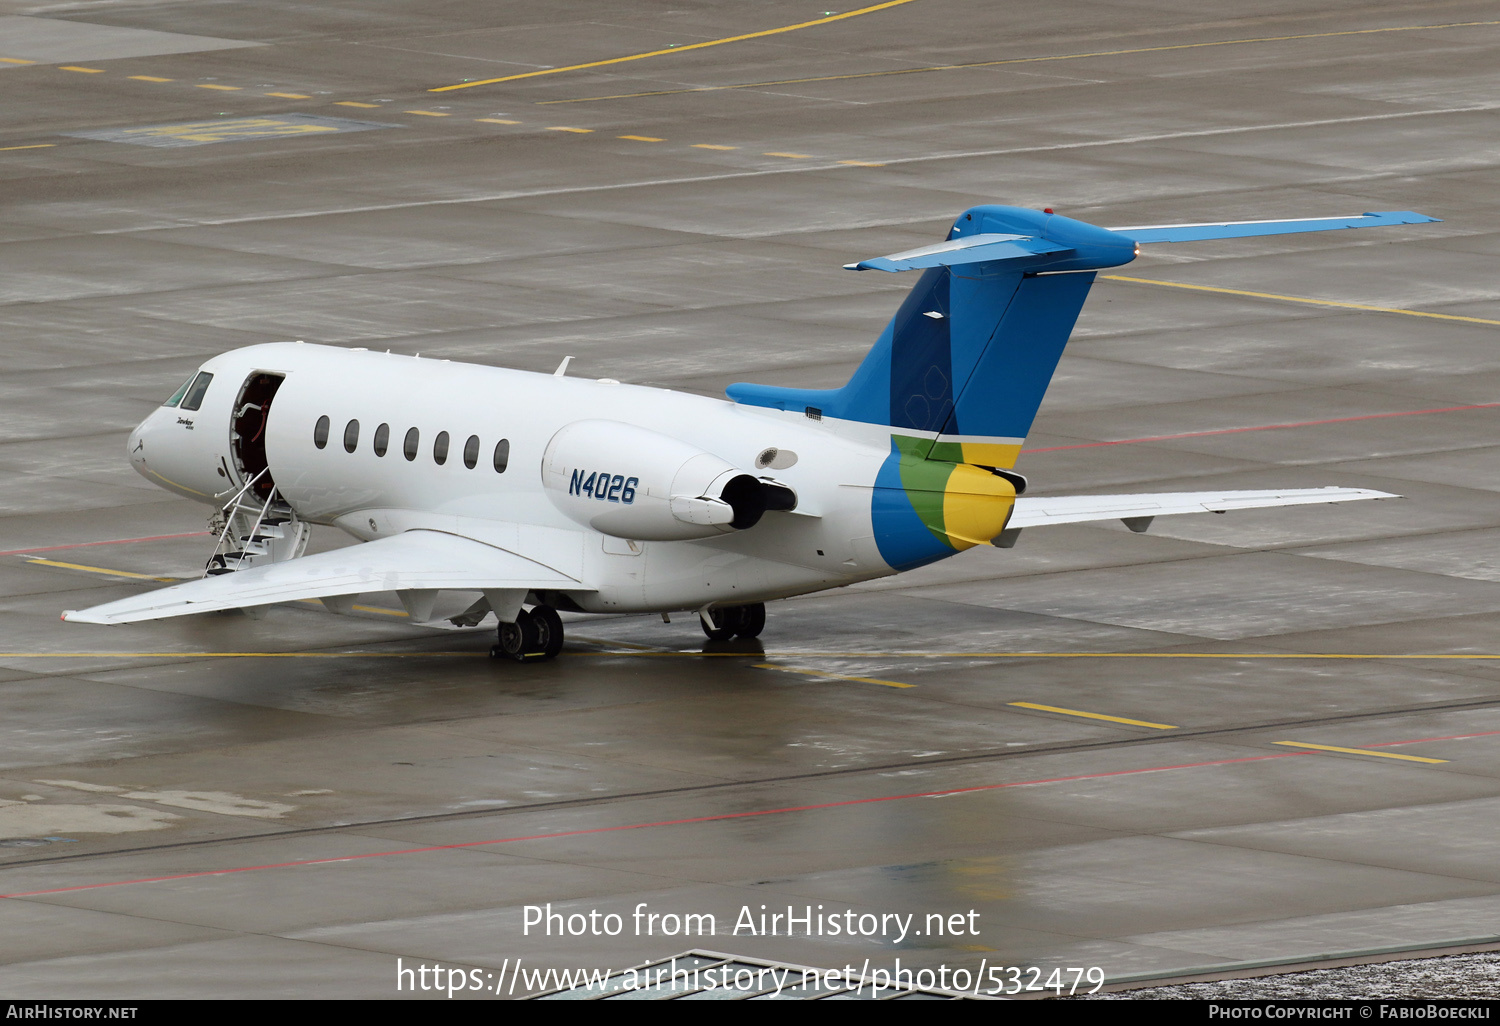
<point x="1265" y="427"/>
<point x="645" y="826"/>
<point x="721" y="816"/>
<point x="117" y="541"/>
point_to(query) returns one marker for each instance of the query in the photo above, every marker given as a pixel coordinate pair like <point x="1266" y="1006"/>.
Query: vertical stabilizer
<point x="961" y="369"/>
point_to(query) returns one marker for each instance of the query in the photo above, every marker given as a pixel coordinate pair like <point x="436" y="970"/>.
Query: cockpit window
<point x="195" y="391"/>
<point x="177" y="395"/>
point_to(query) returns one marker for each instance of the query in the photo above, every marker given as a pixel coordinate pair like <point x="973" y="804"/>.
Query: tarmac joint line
<point x="1299" y="299"/>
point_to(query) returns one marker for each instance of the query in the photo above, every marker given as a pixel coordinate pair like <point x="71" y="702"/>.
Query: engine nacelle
<point x="630" y="482"/>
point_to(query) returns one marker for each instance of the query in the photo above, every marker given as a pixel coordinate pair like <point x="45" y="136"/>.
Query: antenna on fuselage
<point x="562" y="368"/>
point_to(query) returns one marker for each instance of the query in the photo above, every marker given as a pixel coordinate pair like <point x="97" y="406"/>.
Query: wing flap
<point x="1078" y="509"/>
<point x="414" y="561"/>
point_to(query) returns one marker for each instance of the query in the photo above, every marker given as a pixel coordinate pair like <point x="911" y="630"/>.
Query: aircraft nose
<point x="136" y="445"/>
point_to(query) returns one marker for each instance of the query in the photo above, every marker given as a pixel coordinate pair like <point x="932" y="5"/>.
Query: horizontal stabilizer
<point x="416" y="560"/>
<point x="976" y="249"/>
<point x="1077" y="509"/>
<point x="1245" y="229"/>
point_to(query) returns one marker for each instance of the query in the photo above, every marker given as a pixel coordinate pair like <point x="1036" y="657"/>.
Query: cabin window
<point x="351" y="436"/>
<point x="177" y="395"/>
<point x="195" y="392"/>
<point x="471" y="451"/>
<point x="409" y="447"/>
<point x="502" y="455"/>
<point x="382" y="439"/>
<point x="320" y="432"/>
<point x="440" y="448"/>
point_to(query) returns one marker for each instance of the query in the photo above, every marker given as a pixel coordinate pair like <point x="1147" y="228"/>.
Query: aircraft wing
<point x="416" y="560"/>
<point x="1077" y="509"/>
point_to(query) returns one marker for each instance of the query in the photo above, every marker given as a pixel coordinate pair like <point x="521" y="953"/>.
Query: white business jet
<point x="521" y="494"/>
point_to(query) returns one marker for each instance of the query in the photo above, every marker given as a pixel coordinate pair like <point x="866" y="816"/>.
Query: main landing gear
<point x="535" y="637"/>
<point x="537" y="634"/>
<point x="734" y="621"/>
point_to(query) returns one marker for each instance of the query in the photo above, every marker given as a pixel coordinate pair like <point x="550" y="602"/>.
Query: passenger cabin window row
<point x="411" y="445"/>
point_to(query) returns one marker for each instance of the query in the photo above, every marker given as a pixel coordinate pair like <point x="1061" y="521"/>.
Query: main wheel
<point x="535" y="637"/>
<point x="518" y="640"/>
<point x="752" y="620"/>
<point x="719" y="624"/>
<point x="549" y="631"/>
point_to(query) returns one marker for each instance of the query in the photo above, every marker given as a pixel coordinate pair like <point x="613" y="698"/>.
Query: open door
<point x="247" y="433"/>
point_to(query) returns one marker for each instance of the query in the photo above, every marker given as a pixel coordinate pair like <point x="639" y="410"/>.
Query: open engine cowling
<point x="631" y="482"/>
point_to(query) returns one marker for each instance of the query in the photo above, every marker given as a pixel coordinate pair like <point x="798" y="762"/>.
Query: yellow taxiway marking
<point x="794" y="156"/>
<point x="830" y="676"/>
<point x="677" y="49"/>
<point x="380" y="610"/>
<point x="498" y="121"/>
<point x="860" y="163"/>
<point x="1093" y="716"/>
<point x="15" y="60"/>
<point x="104" y="570"/>
<point x="86" y="71"/>
<point x="1299" y="299"/>
<point x="291" y="96"/>
<point x="353" y="103"/>
<point x="712" y="146"/>
<point x="153" y="78"/>
<point x="429" y="113"/>
<point x="30" y="146"/>
<point x="565" y="128"/>
<point x="641" y="138"/>
<point x="1013" y="60"/>
<point x="1355" y="751"/>
<point x="215" y="85"/>
<point x="362" y="609"/>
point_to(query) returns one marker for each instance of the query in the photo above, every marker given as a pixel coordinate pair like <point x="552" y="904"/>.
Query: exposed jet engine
<point x="632" y="482"/>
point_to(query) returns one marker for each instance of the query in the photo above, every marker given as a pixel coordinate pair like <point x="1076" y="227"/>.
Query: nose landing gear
<point x="535" y="637"/>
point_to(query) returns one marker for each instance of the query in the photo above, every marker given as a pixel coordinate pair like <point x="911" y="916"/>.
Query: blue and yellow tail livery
<point x="960" y="371"/>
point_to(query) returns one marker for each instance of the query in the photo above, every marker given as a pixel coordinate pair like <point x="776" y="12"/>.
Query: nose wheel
<point x="734" y="621"/>
<point x="535" y="637"/>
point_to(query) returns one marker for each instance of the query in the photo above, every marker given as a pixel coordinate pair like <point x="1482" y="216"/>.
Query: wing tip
<point x="82" y="616"/>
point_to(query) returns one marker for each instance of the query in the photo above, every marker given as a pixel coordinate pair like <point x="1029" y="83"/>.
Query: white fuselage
<point x="827" y="541"/>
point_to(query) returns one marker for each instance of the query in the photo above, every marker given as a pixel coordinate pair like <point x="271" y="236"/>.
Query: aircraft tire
<point x="520" y="640"/>
<point x="724" y="622"/>
<point x="751" y="621"/>
<point x="549" y="631"/>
